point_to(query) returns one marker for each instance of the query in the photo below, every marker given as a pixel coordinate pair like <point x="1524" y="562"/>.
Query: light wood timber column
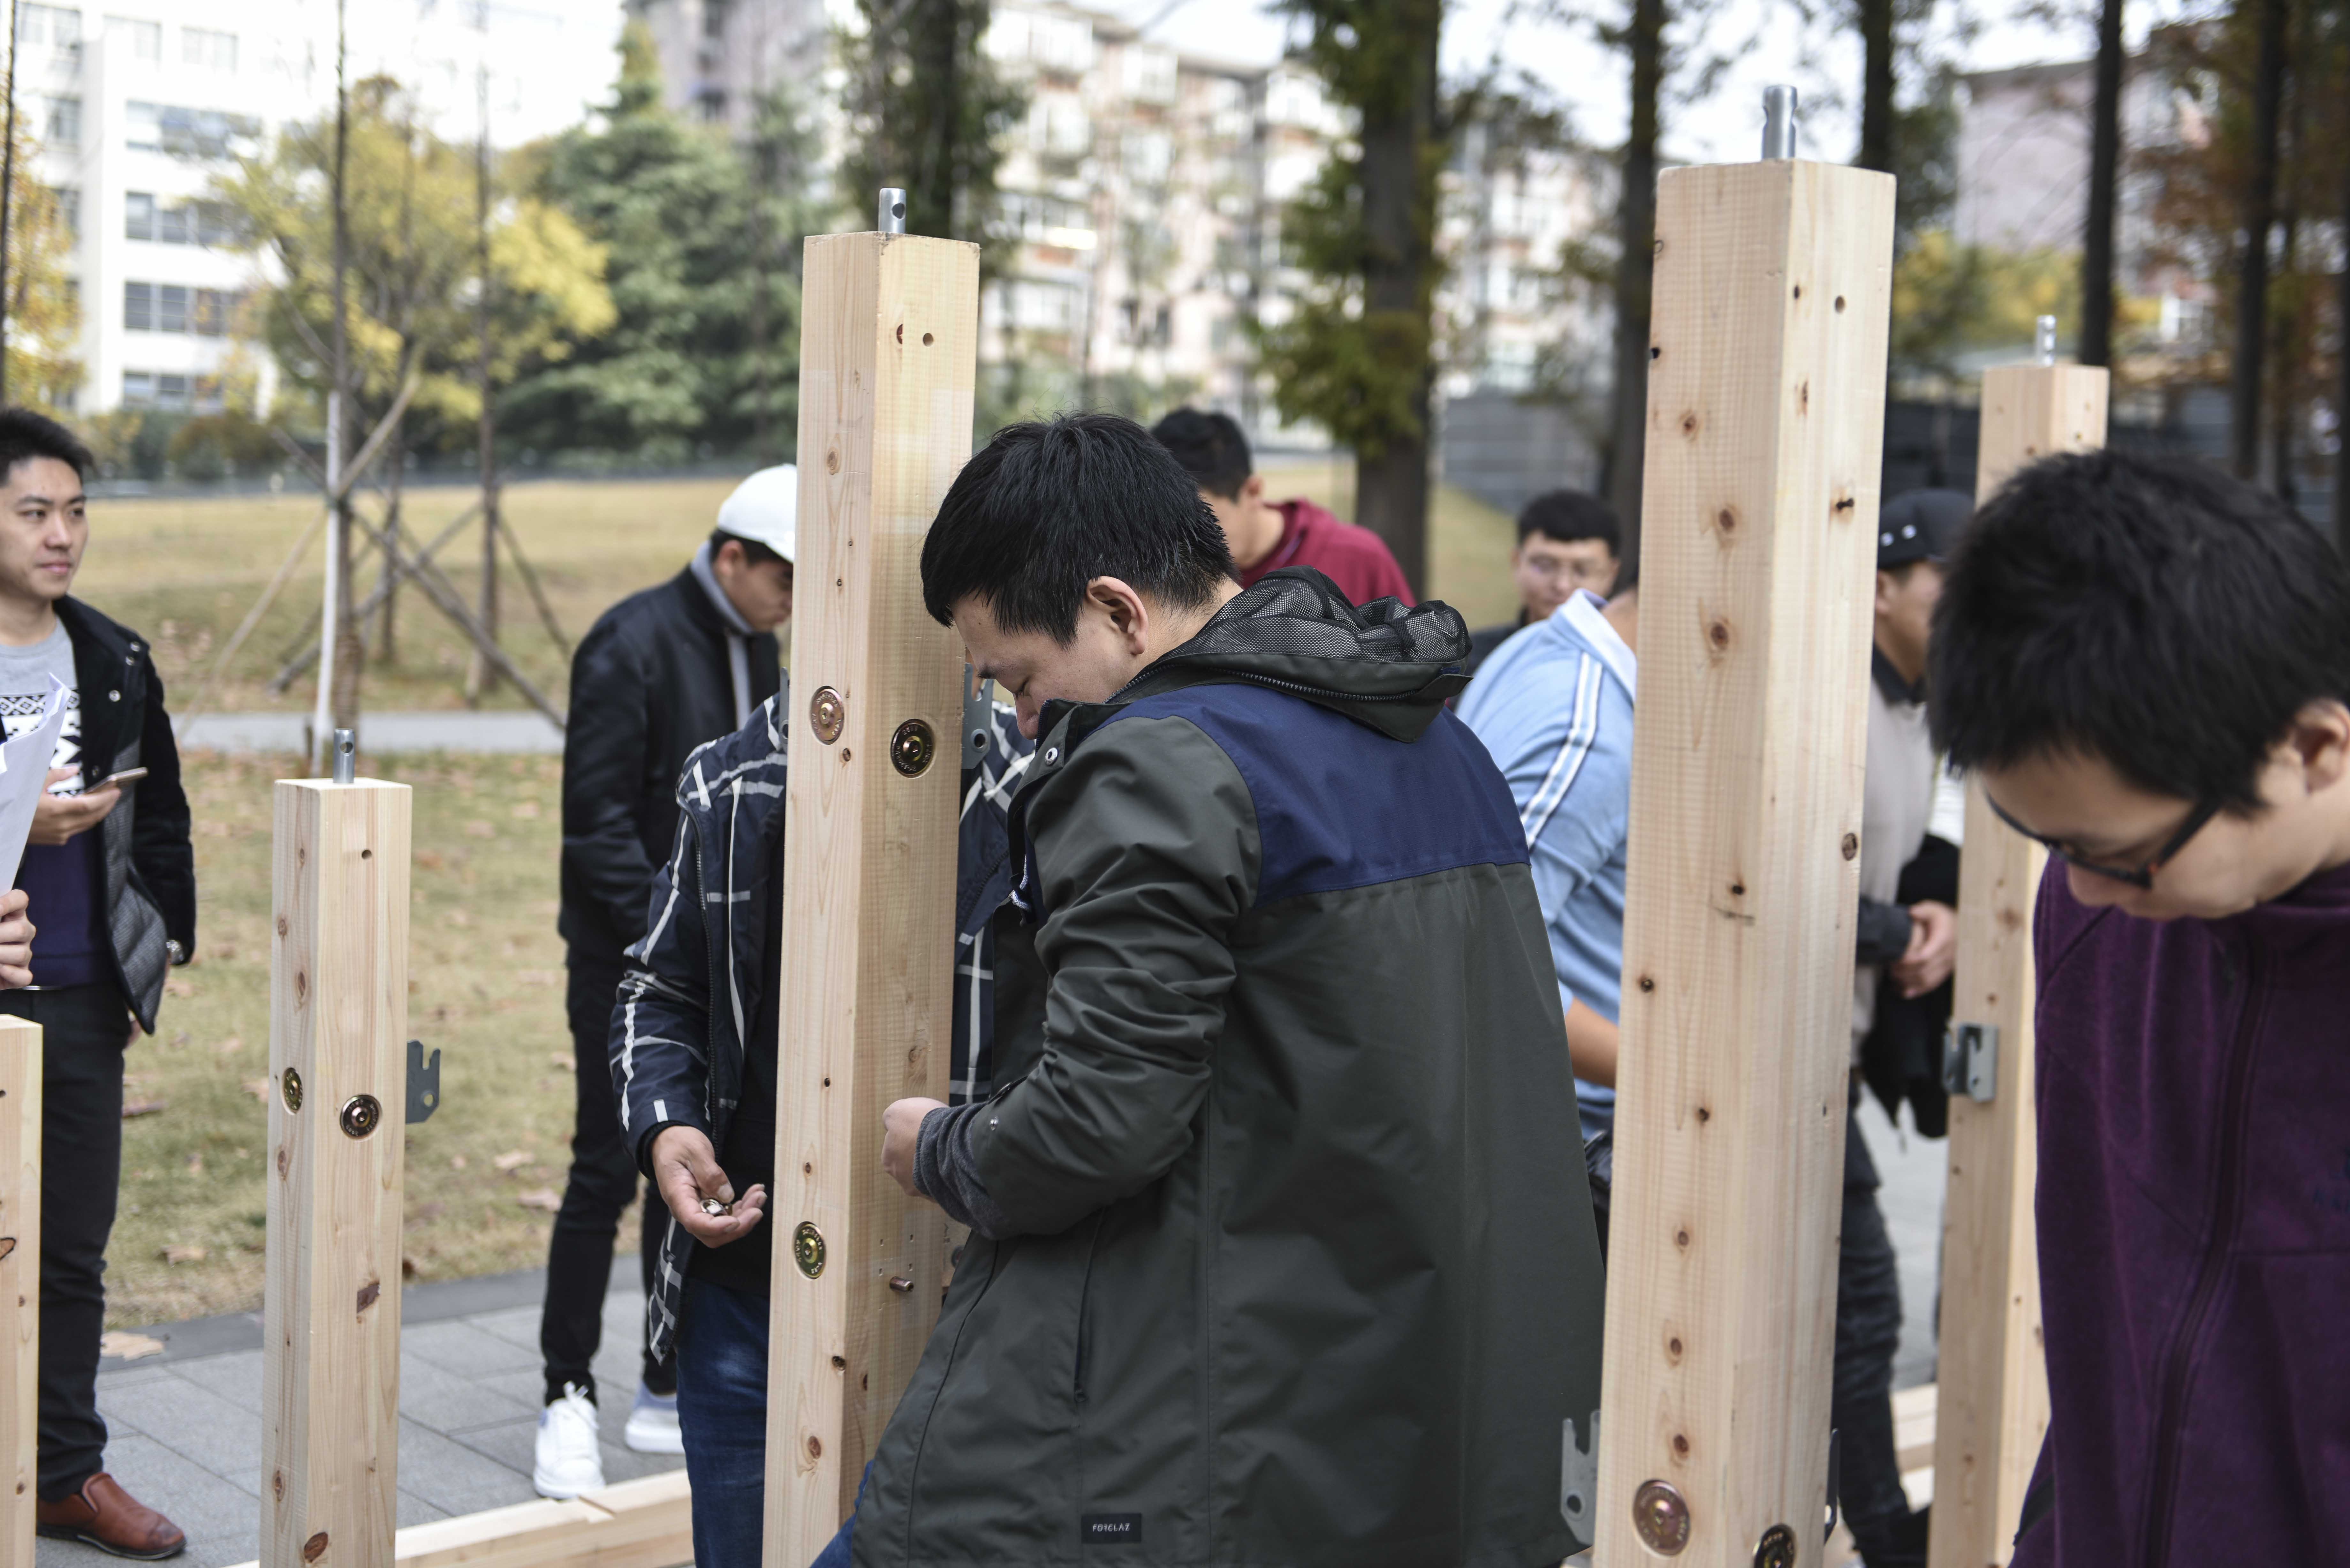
<point x="20" y="1280"/>
<point x="888" y="337"/>
<point x="1991" y="1405"/>
<point x="338" y="1115"/>
<point x="1766" y="383"/>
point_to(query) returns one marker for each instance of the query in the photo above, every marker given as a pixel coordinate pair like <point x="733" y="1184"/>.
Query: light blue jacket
<point x="1553" y="705"/>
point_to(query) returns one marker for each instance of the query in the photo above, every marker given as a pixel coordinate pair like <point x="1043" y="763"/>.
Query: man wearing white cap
<point x="662" y="672"/>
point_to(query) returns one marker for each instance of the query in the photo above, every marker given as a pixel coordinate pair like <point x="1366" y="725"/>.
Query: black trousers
<point x="1868" y="1333"/>
<point x="602" y="1183"/>
<point x="84" y="1029"/>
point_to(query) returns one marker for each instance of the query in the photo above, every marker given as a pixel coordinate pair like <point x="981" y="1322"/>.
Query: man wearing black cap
<point x="1912" y="947"/>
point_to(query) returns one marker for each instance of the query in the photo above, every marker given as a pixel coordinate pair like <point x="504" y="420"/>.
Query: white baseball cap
<point x="765" y="510"/>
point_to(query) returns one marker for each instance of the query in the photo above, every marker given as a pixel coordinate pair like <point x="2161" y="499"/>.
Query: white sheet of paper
<point x="24" y="767"/>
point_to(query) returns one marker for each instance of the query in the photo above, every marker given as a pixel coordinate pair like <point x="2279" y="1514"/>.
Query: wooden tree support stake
<point x="337" y="1112"/>
<point x="1993" y="1408"/>
<point x="20" y="1282"/>
<point x="890" y="332"/>
<point x="1766" y="382"/>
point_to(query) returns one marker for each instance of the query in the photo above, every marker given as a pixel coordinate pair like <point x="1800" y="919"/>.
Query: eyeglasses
<point x="2141" y="876"/>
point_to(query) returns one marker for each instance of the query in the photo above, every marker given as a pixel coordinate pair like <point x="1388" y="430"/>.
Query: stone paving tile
<point x="193" y="1422"/>
<point x="448" y="1473"/>
<point x="236" y="1377"/>
<point x="446" y="1402"/>
<point x="458" y="1346"/>
<point x="516" y="1325"/>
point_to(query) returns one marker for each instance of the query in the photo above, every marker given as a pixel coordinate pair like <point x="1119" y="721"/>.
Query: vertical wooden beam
<point x="1993" y="1408"/>
<point x="338" y="1111"/>
<point x="20" y="1282"/>
<point x="1766" y="383"/>
<point x="888" y="336"/>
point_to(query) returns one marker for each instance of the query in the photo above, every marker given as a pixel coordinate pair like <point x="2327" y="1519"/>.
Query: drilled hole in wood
<point x="1839" y="302"/>
<point x="926" y="340"/>
<point x="1648" y="984"/>
<point x="839" y="1364"/>
<point x="1704" y="1115"/>
<point x="367" y="853"/>
<point x="1799" y="291"/>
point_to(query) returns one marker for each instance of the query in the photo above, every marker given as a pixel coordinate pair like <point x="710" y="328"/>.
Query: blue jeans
<point x="722" y="1409"/>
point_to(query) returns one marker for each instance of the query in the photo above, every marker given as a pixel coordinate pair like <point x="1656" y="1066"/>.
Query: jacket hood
<point x="1382" y="664"/>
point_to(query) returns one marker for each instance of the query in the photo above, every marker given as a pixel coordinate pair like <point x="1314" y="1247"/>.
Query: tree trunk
<point x="1875" y="85"/>
<point x="2104" y="172"/>
<point x="2287" y="336"/>
<point x="2252" y="268"/>
<point x="481" y="675"/>
<point x="1398" y="285"/>
<point x="1637" y="232"/>
<point x="387" y="649"/>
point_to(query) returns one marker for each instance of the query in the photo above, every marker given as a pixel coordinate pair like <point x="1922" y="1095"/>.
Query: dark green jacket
<point x="1294" y="1262"/>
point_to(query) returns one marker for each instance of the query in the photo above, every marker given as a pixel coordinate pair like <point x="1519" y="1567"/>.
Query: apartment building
<point x="720" y="57"/>
<point x="138" y="105"/>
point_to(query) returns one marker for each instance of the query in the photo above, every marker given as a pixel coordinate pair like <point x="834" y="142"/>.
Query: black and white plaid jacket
<point x="693" y="980"/>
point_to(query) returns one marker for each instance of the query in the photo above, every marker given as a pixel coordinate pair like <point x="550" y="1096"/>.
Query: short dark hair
<point x="25" y="434"/>
<point x="2145" y="610"/>
<point x="1049" y="506"/>
<point x="1567" y="516"/>
<point x="1210" y="448"/>
<point x="752" y="551"/>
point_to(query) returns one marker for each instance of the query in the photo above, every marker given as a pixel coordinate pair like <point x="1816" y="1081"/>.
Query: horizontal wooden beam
<point x="646" y="1523"/>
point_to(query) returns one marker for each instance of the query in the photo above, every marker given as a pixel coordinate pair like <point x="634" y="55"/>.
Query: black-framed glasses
<point x="2141" y="876"/>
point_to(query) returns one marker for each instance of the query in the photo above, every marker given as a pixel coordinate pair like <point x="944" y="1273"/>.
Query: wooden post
<point x="20" y="1280"/>
<point x="1991" y="1410"/>
<point x="338" y="1111"/>
<point x="889" y="328"/>
<point x="1766" y="380"/>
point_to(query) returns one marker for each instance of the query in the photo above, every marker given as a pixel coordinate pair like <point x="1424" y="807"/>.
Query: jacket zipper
<point x="1084" y="1299"/>
<point x="2226" y="1214"/>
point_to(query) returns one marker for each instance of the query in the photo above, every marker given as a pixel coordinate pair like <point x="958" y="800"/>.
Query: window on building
<point x="142" y="40"/>
<point x="205" y="47"/>
<point x="160" y="307"/>
<point x="216" y="225"/>
<point x="138" y="215"/>
<point x="55" y="26"/>
<point x="137" y="389"/>
<point x="215" y="312"/>
<point x="68" y="201"/>
<point x="186" y="132"/>
<point x="139" y="308"/>
<point x="1148" y="75"/>
<point x="62" y="125"/>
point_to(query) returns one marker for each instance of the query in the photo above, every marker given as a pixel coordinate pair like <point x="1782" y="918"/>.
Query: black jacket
<point x="150" y="866"/>
<point x="649" y="682"/>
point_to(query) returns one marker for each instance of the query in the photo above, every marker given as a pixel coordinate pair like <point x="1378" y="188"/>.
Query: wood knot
<point x="1704" y="1113"/>
<point x="1738" y="890"/>
<point x="281" y="1162"/>
<point x="277" y="1484"/>
<point x="301" y="987"/>
<point x="1851" y="845"/>
<point x="841" y="1364"/>
<point x="1681" y="1445"/>
<point x="1726" y="520"/>
<point x="370" y="1294"/>
<point x="832" y="459"/>
<point x="1688" y="423"/>
<point x="280" y="924"/>
<point x="902" y="332"/>
<point x="1844" y="502"/>
<point x="1655" y="352"/>
<point x="1681" y="1239"/>
<point x="1803" y="396"/>
<point x="1799" y="291"/>
<point x="1717" y="632"/>
<point x="815" y="1446"/>
<point x="315" y="1548"/>
<point x="1673" y="1349"/>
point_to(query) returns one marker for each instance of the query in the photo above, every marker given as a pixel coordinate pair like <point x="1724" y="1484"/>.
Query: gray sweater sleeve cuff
<point x="947" y="1173"/>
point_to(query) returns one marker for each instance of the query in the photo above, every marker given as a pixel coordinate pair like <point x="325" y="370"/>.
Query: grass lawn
<point x="485" y="964"/>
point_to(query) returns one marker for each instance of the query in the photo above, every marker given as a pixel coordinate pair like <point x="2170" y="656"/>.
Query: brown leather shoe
<point x="103" y="1515"/>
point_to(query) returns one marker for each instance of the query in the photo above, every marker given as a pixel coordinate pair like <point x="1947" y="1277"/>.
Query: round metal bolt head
<point x="362" y="1114"/>
<point x="826" y="715"/>
<point x="1776" y="1549"/>
<point x="1661" y="1517"/>
<point x="807" y="1248"/>
<point x="913" y="747"/>
<point x="290" y="1086"/>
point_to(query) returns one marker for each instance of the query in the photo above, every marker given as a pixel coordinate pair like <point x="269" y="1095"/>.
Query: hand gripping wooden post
<point x="1991" y="1406"/>
<point x="20" y="1280"/>
<point x="888" y="336"/>
<point x="1766" y="382"/>
<point x="338" y="1110"/>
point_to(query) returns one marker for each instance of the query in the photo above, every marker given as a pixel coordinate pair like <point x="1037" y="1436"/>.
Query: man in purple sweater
<point x="2147" y="666"/>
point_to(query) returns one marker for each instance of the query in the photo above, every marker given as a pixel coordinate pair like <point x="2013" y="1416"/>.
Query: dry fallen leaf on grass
<point x="195" y="1165"/>
<point x="185" y="1254"/>
<point x="230" y="1045"/>
<point x="541" y="1197"/>
<point x="127" y="1346"/>
<point x="456" y="1162"/>
<point x="143" y="1107"/>
<point x="430" y="859"/>
<point x="179" y="988"/>
<point x="510" y="1159"/>
<point x="565" y="1060"/>
<point x="477" y="828"/>
<point x="461" y="917"/>
<point x="525" y="809"/>
<point x="258" y="1088"/>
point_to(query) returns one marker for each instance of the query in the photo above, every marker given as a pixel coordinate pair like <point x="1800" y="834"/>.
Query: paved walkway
<point x="454" y="730"/>
<point x="186" y="1425"/>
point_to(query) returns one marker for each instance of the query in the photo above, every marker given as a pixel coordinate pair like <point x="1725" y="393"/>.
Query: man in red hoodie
<point x="1264" y="536"/>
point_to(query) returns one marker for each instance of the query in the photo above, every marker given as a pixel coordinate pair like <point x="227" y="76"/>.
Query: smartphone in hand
<point x="128" y="775"/>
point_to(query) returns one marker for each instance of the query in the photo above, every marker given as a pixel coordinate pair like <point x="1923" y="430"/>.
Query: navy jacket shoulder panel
<point x="1341" y="805"/>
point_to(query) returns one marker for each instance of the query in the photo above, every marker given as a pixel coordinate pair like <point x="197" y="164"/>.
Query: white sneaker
<point x="568" y="1461"/>
<point x="653" y="1424"/>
